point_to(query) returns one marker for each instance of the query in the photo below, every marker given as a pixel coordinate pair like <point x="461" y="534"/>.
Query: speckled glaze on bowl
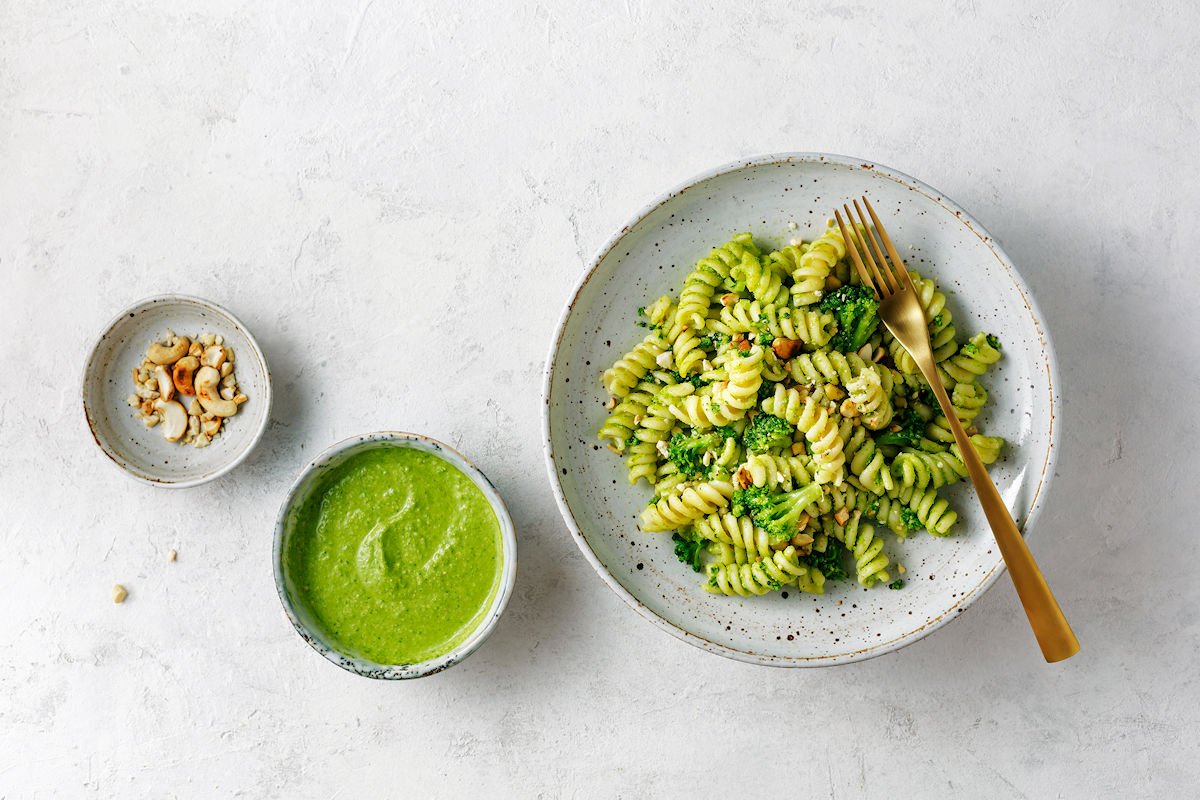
<point x="141" y="452"/>
<point x="650" y="256"/>
<point x="308" y="481"/>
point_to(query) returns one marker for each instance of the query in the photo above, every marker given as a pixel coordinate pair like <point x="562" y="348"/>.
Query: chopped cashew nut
<point x="661" y="447"/>
<point x="172" y="554"/>
<point x="214" y="356"/>
<point x="119" y="593"/>
<point x="743" y="479"/>
<point x="168" y="354"/>
<point x="834" y="392"/>
<point x="842" y="516"/>
<point x="211" y="426"/>
<point x="849" y="408"/>
<point x="730" y="299"/>
<point x="665" y="359"/>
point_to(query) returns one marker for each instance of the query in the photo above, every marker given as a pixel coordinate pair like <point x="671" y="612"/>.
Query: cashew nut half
<point x="207" y="385"/>
<point x="166" y="387"/>
<point x="168" y="354"/>
<point x="183" y="373"/>
<point x="175" y="419"/>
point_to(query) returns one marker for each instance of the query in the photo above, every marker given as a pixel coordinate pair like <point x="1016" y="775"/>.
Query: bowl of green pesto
<point x="394" y="555"/>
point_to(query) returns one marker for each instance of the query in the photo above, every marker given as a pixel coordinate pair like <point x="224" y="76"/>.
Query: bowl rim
<point x="1047" y="470"/>
<point x="89" y="363"/>
<point x="508" y="573"/>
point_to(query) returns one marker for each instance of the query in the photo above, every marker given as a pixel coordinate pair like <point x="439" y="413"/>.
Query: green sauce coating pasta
<point x="859" y="431"/>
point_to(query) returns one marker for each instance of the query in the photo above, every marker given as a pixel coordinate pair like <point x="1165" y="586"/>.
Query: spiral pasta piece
<point x="814" y="266"/>
<point x="872" y="402"/>
<point x="685" y="348"/>
<point x="971" y="360"/>
<point x="865" y="460"/>
<point x="703" y="411"/>
<point x="769" y="573"/>
<point x="686" y="504"/>
<point x="827" y="366"/>
<point x="918" y="470"/>
<point x="870" y="562"/>
<point x="968" y="399"/>
<point x="824" y="440"/>
<point x="620" y="424"/>
<point x="784" y="472"/>
<point x="941" y="329"/>
<point x="745" y="376"/>
<point x="654" y="427"/>
<point x="761" y="278"/>
<point x="933" y="511"/>
<point x="708" y="274"/>
<point x="988" y="447"/>
<point x="785" y="403"/>
<point x="737" y="532"/>
<point x="622" y="376"/>
<point x="814" y="328"/>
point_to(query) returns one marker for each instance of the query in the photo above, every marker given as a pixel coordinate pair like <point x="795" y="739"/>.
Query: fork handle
<point x="1051" y="628"/>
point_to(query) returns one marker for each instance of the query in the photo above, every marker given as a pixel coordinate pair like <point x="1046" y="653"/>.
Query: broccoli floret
<point x="910" y="519"/>
<point x="829" y="562"/>
<point x="857" y="313"/>
<point x="688" y="550"/>
<point x="774" y="512"/>
<point x="765" y="390"/>
<point x="910" y="429"/>
<point x="725" y="432"/>
<point x="686" y="452"/>
<point x="714" y="341"/>
<point x="993" y="341"/>
<point x="631" y="441"/>
<point x="765" y="432"/>
<point x="897" y="584"/>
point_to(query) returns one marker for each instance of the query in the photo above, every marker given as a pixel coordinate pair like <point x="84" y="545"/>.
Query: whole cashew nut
<point x="207" y="383"/>
<point x="184" y="372"/>
<point x="168" y="354"/>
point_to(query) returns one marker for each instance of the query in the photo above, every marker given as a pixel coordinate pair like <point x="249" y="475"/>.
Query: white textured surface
<point x="396" y="198"/>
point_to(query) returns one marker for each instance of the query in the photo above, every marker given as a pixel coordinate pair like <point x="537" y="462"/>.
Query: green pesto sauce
<point x="397" y="554"/>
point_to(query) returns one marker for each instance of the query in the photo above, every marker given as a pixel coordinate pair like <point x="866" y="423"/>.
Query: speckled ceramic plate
<point x="651" y="256"/>
<point x="142" y="452"/>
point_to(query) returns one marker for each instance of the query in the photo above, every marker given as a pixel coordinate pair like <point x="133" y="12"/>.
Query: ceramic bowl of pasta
<point x="743" y="452"/>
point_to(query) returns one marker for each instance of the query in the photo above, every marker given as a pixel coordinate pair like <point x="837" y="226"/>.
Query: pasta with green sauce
<point x="784" y="431"/>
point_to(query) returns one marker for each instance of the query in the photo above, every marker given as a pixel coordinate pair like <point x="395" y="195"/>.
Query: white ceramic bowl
<point x="650" y="256"/>
<point x="309" y="480"/>
<point x="142" y="452"/>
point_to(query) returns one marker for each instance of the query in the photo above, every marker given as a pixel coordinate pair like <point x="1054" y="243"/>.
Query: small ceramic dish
<point x="777" y="197"/>
<point x="309" y="481"/>
<point x="141" y="452"/>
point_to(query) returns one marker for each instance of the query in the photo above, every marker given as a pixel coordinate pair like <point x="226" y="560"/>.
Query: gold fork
<point x="901" y="312"/>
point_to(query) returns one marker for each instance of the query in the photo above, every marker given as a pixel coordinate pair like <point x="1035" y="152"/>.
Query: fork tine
<point x="880" y="285"/>
<point x="899" y="269"/>
<point x="853" y="248"/>
<point x="893" y="285"/>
